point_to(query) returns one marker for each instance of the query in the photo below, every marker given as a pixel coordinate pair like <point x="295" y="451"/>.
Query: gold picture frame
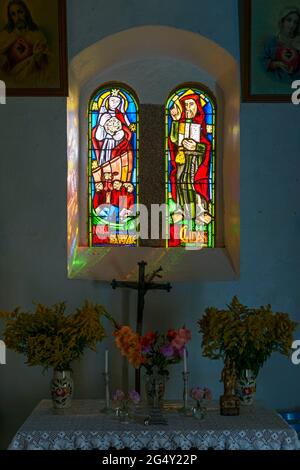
<point x="270" y="49"/>
<point x="33" y="47"/>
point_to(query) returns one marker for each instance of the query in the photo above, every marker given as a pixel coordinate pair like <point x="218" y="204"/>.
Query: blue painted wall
<point x="33" y="218"/>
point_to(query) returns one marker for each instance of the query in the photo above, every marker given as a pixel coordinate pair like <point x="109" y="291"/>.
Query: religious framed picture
<point x="270" y="49"/>
<point x="33" y="47"/>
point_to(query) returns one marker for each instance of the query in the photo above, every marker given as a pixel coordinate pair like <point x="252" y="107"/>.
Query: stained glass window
<point x="190" y="168"/>
<point x="113" y="166"/>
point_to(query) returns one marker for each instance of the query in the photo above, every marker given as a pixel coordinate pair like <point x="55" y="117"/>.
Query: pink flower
<point x="134" y="396"/>
<point x="207" y="394"/>
<point x="118" y="395"/>
<point x="178" y="342"/>
<point x="197" y="393"/>
<point x="183" y="335"/>
<point x="60" y="392"/>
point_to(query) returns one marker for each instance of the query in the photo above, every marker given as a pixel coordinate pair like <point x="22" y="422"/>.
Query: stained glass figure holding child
<point x="114" y="161"/>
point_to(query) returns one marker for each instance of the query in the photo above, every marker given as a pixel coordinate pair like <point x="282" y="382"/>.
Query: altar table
<point x="85" y="427"/>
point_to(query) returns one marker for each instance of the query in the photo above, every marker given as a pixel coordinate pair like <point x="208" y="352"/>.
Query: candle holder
<point x="107" y="409"/>
<point x="186" y="410"/>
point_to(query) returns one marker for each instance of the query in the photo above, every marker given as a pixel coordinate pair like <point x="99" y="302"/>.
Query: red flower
<point x="171" y="334"/>
<point x="147" y="340"/>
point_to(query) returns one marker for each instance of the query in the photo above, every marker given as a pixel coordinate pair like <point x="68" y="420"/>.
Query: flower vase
<point x="155" y="387"/>
<point x="62" y="389"/>
<point x="124" y="414"/>
<point x="199" y="410"/>
<point x="246" y="387"/>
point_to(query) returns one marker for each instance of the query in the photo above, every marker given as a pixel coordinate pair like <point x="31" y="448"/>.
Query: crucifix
<point x="144" y="284"/>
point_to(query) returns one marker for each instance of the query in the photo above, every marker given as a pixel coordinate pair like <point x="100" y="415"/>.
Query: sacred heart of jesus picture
<point x="33" y="56"/>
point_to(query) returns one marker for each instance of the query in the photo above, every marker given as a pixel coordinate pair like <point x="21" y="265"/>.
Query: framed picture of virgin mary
<point x="270" y="49"/>
<point x="33" y="49"/>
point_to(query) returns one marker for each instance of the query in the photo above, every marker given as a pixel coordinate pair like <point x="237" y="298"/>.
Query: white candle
<point x="106" y="361"/>
<point x="184" y="361"/>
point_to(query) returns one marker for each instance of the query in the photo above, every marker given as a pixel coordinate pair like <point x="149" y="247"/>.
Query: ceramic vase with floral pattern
<point x="246" y="387"/>
<point x="62" y="389"/>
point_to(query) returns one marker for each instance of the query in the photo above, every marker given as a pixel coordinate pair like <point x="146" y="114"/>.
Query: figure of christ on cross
<point x="144" y="284"/>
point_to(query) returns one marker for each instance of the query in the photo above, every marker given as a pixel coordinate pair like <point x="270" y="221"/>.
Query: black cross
<point x="144" y="284"/>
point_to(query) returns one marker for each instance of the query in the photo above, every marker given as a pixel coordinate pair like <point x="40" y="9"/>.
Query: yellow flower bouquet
<point x="248" y="336"/>
<point x="49" y="337"/>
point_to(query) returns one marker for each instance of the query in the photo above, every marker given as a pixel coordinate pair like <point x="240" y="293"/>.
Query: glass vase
<point x="199" y="410"/>
<point x="246" y="387"/>
<point x="155" y="387"/>
<point x="124" y="414"/>
<point x="62" y="387"/>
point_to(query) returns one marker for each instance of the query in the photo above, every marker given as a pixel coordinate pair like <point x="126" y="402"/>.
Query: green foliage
<point x="247" y="335"/>
<point x="49" y="337"/>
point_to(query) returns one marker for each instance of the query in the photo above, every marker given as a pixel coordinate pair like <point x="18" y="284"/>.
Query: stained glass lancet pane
<point x="190" y="168"/>
<point x="113" y="166"/>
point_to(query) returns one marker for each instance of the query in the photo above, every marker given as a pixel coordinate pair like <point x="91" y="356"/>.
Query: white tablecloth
<point x="84" y="427"/>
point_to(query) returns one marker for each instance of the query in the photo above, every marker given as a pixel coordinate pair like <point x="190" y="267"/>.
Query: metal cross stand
<point x="143" y="285"/>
